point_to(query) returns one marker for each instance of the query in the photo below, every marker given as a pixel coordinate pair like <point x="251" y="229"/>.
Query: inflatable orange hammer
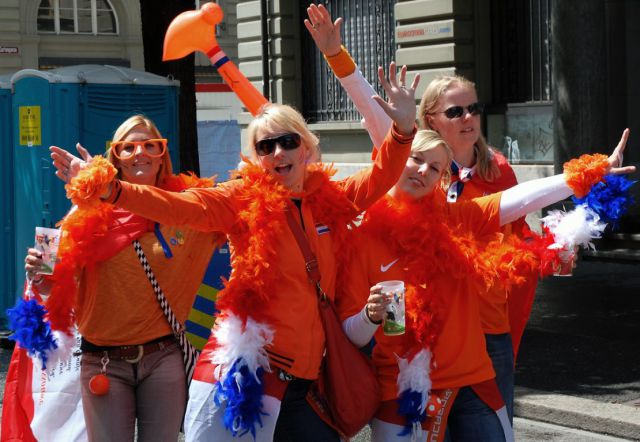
<point x="195" y="31"/>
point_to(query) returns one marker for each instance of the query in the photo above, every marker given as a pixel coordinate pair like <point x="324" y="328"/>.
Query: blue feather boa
<point x="241" y="393"/>
<point x="409" y="404"/>
<point x="30" y="330"/>
<point x="610" y="199"/>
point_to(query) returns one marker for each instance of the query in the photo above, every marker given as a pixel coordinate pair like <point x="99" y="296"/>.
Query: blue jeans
<point x="297" y="421"/>
<point x="471" y="419"/>
<point x="500" y="349"/>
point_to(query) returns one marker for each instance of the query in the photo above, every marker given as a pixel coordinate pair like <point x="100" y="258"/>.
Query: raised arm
<point x="207" y="210"/>
<point x="326" y="35"/>
<point x="367" y="186"/>
<point x="535" y="194"/>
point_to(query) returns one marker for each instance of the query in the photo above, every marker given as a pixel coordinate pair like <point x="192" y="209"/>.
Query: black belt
<point x="128" y="353"/>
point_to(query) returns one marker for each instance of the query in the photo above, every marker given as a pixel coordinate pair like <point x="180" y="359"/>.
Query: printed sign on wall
<point x="30" y="126"/>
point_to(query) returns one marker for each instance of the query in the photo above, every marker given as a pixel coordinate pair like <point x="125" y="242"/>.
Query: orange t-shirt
<point x="116" y="304"/>
<point x="494" y="311"/>
<point x="299" y="337"/>
<point x="459" y="352"/>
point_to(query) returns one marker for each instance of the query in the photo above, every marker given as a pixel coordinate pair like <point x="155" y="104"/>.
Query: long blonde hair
<point x="282" y="117"/>
<point x="486" y="168"/>
<point x="166" y="169"/>
<point x="427" y="139"/>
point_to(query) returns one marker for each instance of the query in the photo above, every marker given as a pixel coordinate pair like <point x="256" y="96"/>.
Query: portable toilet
<point x="85" y="104"/>
<point x="7" y="244"/>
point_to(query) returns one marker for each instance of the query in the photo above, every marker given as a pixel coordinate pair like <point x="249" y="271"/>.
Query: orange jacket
<point x="299" y="338"/>
<point x="459" y="352"/>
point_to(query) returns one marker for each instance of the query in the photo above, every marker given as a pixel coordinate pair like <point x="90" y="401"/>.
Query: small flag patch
<point x="321" y="228"/>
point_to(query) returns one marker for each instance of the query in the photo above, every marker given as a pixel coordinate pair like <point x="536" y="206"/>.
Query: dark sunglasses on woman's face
<point x="458" y="111"/>
<point x="268" y="145"/>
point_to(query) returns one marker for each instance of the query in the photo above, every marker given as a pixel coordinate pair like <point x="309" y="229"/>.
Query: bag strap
<point x="311" y="263"/>
<point x="190" y="354"/>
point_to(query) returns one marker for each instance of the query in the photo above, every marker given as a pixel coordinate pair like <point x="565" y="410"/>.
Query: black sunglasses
<point x="268" y="145"/>
<point x="458" y="111"/>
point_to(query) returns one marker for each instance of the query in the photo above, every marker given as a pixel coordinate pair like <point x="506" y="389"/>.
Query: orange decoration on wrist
<point x="91" y="182"/>
<point x="341" y="63"/>
<point x="582" y="173"/>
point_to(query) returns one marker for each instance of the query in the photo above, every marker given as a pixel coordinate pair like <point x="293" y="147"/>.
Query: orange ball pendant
<point x="99" y="384"/>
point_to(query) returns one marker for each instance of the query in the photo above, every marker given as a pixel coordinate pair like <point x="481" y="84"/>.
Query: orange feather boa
<point x="582" y="173"/>
<point x="418" y="232"/>
<point x="84" y="226"/>
<point x="262" y="214"/>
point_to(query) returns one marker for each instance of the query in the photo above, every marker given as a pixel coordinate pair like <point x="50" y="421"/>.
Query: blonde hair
<point x="486" y="168"/>
<point x="281" y="117"/>
<point x="427" y="139"/>
<point x="166" y="169"/>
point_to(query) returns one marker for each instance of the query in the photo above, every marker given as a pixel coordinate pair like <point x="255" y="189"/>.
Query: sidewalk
<point x="579" y="363"/>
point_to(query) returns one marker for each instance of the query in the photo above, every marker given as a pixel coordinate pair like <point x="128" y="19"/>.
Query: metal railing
<point x="369" y="34"/>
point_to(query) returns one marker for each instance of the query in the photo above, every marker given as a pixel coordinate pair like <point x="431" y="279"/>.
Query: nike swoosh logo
<point x="384" y="268"/>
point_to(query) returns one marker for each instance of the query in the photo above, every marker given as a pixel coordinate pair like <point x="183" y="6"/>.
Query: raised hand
<point x="324" y="31"/>
<point x="615" y="160"/>
<point x="68" y="165"/>
<point x="401" y="101"/>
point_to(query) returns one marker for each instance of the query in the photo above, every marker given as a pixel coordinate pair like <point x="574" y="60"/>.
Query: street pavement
<point x="579" y="363"/>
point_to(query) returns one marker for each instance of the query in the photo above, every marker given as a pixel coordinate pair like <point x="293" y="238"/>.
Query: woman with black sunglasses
<point x="449" y="106"/>
<point x="268" y="341"/>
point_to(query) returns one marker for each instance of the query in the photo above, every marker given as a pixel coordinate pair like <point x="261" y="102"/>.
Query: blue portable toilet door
<point x="105" y="106"/>
<point x="40" y="198"/>
<point x="7" y="246"/>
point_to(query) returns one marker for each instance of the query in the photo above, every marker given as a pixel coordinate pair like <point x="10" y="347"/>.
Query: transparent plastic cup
<point x="568" y="259"/>
<point x="47" y="241"/>
<point x="394" y="316"/>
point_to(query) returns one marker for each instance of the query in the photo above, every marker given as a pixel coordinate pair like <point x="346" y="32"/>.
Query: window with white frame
<point x="95" y="17"/>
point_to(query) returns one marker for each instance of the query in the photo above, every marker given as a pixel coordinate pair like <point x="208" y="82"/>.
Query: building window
<point x="369" y="34"/>
<point x="520" y="122"/>
<point x="95" y="17"/>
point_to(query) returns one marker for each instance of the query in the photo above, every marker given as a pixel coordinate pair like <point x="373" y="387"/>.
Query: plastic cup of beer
<point x="46" y="242"/>
<point x="567" y="262"/>
<point x="394" y="320"/>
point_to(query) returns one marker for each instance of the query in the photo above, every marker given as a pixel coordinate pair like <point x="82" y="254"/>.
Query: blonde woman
<point x="449" y="106"/>
<point x="268" y="338"/>
<point x="125" y="334"/>
<point x="413" y="235"/>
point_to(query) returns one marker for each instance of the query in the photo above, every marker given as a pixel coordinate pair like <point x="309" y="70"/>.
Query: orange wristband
<point x="341" y="64"/>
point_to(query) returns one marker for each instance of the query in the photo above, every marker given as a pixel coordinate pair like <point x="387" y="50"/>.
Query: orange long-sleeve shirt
<point x="299" y="337"/>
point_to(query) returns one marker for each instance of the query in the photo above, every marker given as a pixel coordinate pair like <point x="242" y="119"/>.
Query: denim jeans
<point x="297" y="421"/>
<point x="471" y="419"/>
<point x="500" y="349"/>
<point x="154" y="391"/>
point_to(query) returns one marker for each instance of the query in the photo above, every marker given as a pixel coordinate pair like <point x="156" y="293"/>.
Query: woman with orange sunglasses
<point x="125" y="334"/>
